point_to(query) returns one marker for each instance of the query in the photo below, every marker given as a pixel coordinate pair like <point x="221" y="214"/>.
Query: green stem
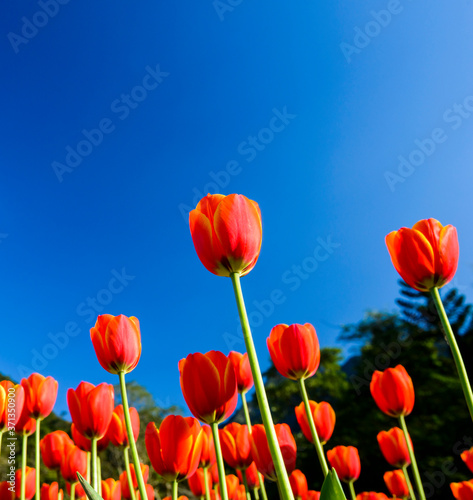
<point x="131" y="438"/>
<point x="408" y="482"/>
<point x="128" y="473"/>
<point x="174" y="491"/>
<point x="415" y="470"/>
<point x="94" y="463"/>
<point x="352" y="490"/>
<point x="220" y="465"/>
<point x="37" y="459"/>
<point x="73" y="491"/>
<point x="245" y="482"/>
<point x="286" y="492"/>
<point x="206" y="481"/>
<point x="255" y="493"/>
<point x="313" y="430"/>
<point x="88" y="467"/>
<point x="99" y="475"/>
<point x="1" y="435"/>
<point x="450" y="337"/>
<point x="24" y="444"/>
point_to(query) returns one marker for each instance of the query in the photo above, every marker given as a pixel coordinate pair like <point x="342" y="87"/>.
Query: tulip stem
<point x="245" y="482"/>
<point x="352" y="490"/>
<point x="415" y="469"/>
<point x="280" y="468"/>
<point x="255" y="493"/>
<point x="313" y="430"/>
<point x="99" y="475"/>
<point x="128" y="473"/>
<point x="37" y="459"/>
<point x="88" y="467"/>
<point x="220" y="465"/>
<point x="174" y="490"/>
<point x="206" y="482"/>
<point x="131" y="438"/>
<point x="457" y="357"/>
<point x="94" y="463"/>
<point x="73" y="491"/>
<point x="24" y="445"/>
<point x="408" y="482"/>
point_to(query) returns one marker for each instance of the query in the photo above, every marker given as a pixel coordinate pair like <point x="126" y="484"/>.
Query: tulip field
<point x="211" y="455"/>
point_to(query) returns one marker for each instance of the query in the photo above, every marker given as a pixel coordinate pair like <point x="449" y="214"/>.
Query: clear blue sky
<point x="344" y="121"/>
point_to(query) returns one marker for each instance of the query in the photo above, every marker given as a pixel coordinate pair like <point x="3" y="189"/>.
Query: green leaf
<point x="332" y="489"/>
<point x="89" y="491"/>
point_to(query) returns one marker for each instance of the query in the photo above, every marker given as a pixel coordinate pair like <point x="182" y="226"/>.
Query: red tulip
<point x="53" y="447"/>
<point x="232" y="483"/>
<point x="425" y="256"/>
<point x="346" y="461"/>
<point x="197" y="483"/>
<point x="117" y="428"/>
<point x="214" y="473"/>
<point x="175" y="448"/>
<point x="117" y="342"/>
<point x="85" y="444"/>
<point x="261" y="454"/>
<point x="240" y="493"/>
<point x="79" y="490"/>
<point x="252" y="476"/>
<point x="208" y="383"/>
<point x="467" y="457"/>
<point x="51" y="492"/>
<point x="111" y="489"/>
<point x="180" y="497"/>
<point x="40" y="395"/>
<point x="463" y="490"/>
<point x="227" y="233"/>
<point x="371" y="495"/>
<point x="393" y="391"/>
<point x="396" y="483"/>
<point x="298" y="484"/>
<point x="25" y="425"/>
<point x="30" y="482"/>
<point x="235" y="444"/>
<point x="324" y="420"/>
<point x="124" y="480"/>
<point x="74" y="461"/>
<point x="242" y="367"/>
<point x="394" y="447"/>
<point x="313" y="495"/>
<point x="7" y="492"/>
<point x="294" y="350"/>
<point x="208" y="448"/>
<point x="149" y="493"/>
<point x="91" y="408"/>
<point x="12" y="395"/>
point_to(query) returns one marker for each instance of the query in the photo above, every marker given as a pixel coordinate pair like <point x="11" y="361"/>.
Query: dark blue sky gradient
<point x="309" y="109"/>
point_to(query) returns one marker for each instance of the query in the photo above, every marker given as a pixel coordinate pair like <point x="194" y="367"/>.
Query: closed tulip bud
<point x="235" y="444"/>
<point x="227" y="233"/>
<point x="232" y="483"/>
<point x="85" y="444"/>
<point x="91" y="408"/>
<point x="124" y="480"/>
<point x="243" y="374"/>
<point x="252" y="476"/>
<point x="463" y="490"/>
<point x="111" y="489"/>
<point x="298" y="485"/>
<point x="53" y="447"/>
<point x="197" y="483"/>
<point x="467" y="457"/>
<point x="394" y="447"/>
<point x="174" y="449"/>
<point x="78" y="491"/>
<point x="30" y="482"/>
<point x="117" y="428"/>
<point x="117" y="342"/>
<point x="294" y="350"/>
<point x="208" y="383"/>
<point x="396" y="483"/>
<point x="214" y="473"/>
<point x="51" y="492"/>
<point x="324" y="420"/>
<point x="25" y="425"/>
<point x="40" y="395"/>
<point x="149" y="492"/>
<point x="371" y="495"/>
<point x="346" y="461"/>
<point x="74" y="461"/>
<point x="313" y="495"/>
<point x="6" y="491"/>
<point x="393" y="391"/>
<point x="207" y="456"/>
<point x="425" y="256"/>
<point x="14" y="394"/>
<point x="261" y="454"/>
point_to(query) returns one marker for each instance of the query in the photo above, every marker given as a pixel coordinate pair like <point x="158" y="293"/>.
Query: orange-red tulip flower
<point x="14" y="398"/>
<point x="394" y="447"/>
<point x="117" y="428"/>
<point x="252" y="476"/>
<point x="299" y="485"/>
<point x="117" y="342"/>
<point x="313" y="495"/>
<point x="324" y="419"/>
<point x="25" y="425"/>
<point x="74" y="461"/>
<point x="393" y="391"/>
<point x="180" y="497"/>
<point x="149" y="492"/>
<point x="196" y="482"/>
<point x="371" y="495"/>
<point x="91" y="408"/>
<point x="261" y="454"/>
<point x="111" y="489"/>
<point x="40" y="395"/>
<point x="51" y="492"/>
<point x="294" y="350"/>
<point x="214" y="473"/>
<point x="124" y="480"/>
<point x="232" y="483"/>
<point x="346" y="461"/>
<point x="209" y="386"/>
<point x="7" y="492"/>
<point x="467" y="457"/>
<point x="30" y="482"/>
<point x="240" y="493"/>
<point x="463" y="490"/>
<point x="243" y="374"/>
<point x="53" y="447"/>
<point x="85" y="444"/>
<point x="208" y="448"/>
<point x="227" y="233"/>
<point x="425" y="256"/>
<point x="174" y="449"/>
<point x="396" y="483"/>
<point x="79" y="490"/>
<point x="235" y="444"/>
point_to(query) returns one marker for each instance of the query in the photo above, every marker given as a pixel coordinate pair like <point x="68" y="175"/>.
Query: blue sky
<point x="344" y="122"/>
